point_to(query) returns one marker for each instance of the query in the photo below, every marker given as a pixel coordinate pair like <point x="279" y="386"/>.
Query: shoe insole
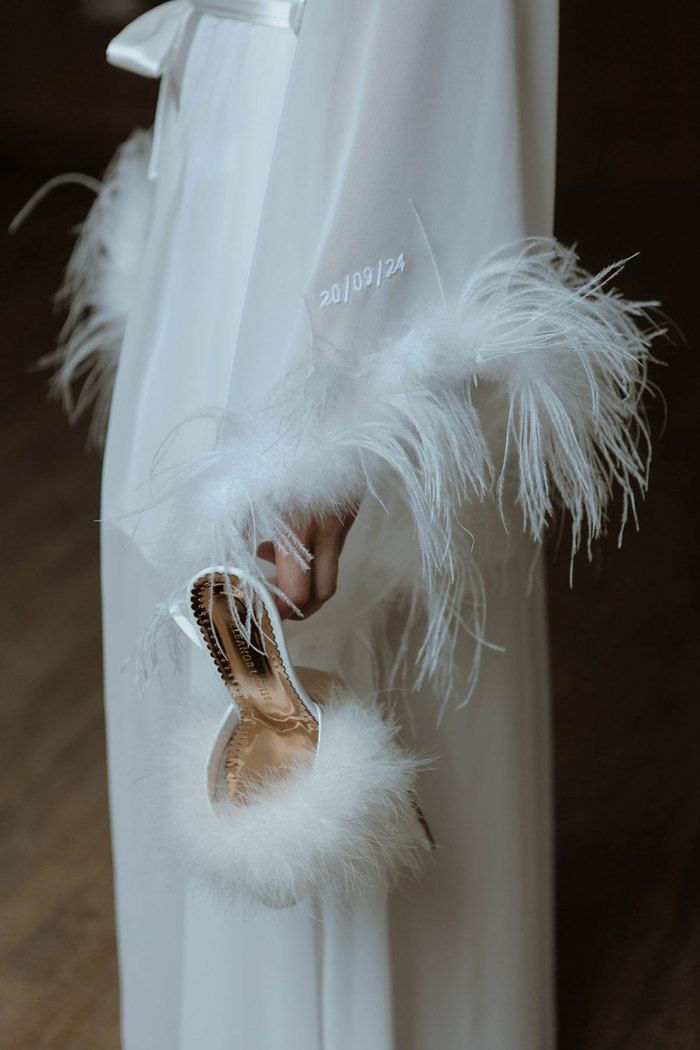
<point x="276" y="730"/>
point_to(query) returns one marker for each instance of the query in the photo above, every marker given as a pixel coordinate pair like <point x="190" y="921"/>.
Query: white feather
<point x="570" y="355"/>
<point x="99" y="286"/>
<point x="342" y="825"/>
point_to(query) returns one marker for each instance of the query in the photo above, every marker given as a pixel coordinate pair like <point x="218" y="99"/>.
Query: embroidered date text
<point x="361" y="280"/>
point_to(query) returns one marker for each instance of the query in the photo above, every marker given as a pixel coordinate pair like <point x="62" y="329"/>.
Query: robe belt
<point x="281" y="13"/>
<point x="149" y="43"/>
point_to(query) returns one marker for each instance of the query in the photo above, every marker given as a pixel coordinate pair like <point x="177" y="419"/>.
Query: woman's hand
<point x="309" y="589"/>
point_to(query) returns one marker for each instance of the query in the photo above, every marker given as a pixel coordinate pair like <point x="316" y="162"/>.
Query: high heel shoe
<point x="273" y="725"/>
<point x="306" y="788"/>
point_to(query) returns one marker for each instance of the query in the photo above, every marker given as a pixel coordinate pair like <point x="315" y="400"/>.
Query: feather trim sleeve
<point x="99" y="285"/>
<point x="568" y="356"/>
<point x="564" y="354"/>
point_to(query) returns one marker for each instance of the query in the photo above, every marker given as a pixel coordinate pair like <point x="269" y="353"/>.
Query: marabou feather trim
<point x="342" y="825"/>
<point x="563" y="354"/>
<point x="258" y="484"/>
<point x="100" y="281"/>
<point x="570" y="356"/>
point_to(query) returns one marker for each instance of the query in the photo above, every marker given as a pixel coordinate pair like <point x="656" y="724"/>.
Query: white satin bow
<point x="149" y="43"/>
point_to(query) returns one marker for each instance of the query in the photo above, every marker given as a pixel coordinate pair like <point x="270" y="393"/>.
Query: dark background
<point x="624" y="640"/>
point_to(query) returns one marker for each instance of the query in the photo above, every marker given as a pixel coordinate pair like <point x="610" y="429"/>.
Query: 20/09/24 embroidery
<point x="361" y="280"/>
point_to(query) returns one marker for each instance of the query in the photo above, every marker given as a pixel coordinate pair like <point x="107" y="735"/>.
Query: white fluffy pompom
<point x="99" y="285"/>
<point x="343" y="824"/>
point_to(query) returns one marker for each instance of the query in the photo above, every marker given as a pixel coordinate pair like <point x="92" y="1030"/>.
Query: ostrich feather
<point x="100" y="281"/>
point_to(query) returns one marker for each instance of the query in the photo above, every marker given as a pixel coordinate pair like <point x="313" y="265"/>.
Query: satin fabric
<point x="284" y="164"/>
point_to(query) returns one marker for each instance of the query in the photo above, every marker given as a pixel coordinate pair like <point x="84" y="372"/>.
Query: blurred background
<point x="625" y="652"/>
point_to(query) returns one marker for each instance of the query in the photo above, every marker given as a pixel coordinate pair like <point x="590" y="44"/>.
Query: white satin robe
<point x="284" y="162"/>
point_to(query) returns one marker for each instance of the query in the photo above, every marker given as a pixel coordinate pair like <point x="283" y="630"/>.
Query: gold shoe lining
<point x="276" y="729"/>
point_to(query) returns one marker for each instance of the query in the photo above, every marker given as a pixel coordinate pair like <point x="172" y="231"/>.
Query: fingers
<point x="324" y="569"/>
<point x="295" y="581"/>
<point x="309" y="587"/>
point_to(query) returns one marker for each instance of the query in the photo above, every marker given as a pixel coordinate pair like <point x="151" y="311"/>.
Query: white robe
<point x="285" y="166"/>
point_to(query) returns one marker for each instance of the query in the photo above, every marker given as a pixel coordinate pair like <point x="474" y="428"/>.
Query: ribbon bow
<point x="149" y="43"/>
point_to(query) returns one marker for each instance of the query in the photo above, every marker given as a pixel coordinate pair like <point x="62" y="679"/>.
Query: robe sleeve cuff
<point x="564" y="354"/>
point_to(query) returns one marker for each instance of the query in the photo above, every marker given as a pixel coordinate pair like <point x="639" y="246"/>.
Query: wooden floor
<point x="624" y="645"/>
<point x="58" y="975"/>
